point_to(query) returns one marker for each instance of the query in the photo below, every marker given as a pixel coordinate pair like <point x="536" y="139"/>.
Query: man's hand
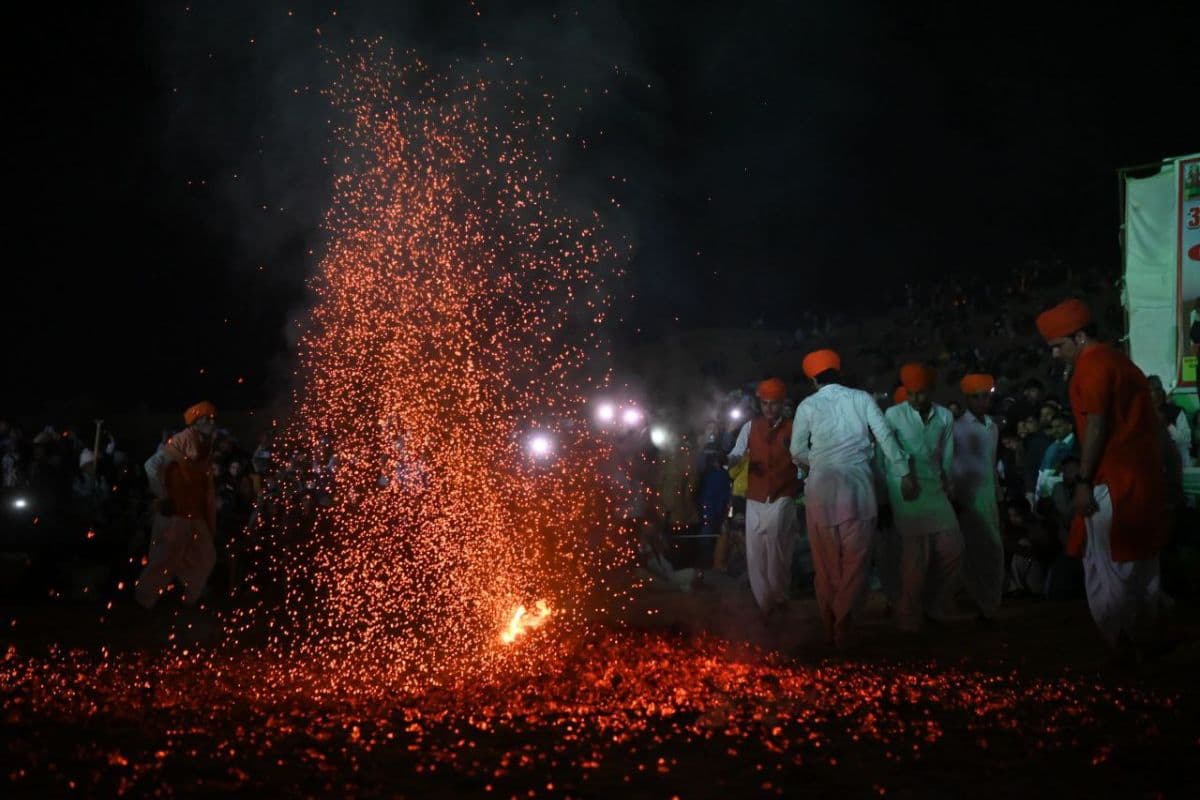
<point x="909" y="488"/>
<point x="1085" y="503"/>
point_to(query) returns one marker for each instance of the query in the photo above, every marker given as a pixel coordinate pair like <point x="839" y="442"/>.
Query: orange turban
<point x="899" y="396"/>
<point x="772" y="389"/>
<point x="917" y="377"/>
<point x="201" y="409"/>
<point x="1064" y="319"/>
<point x="819" y="361"/>
<point x="977" y="383"/>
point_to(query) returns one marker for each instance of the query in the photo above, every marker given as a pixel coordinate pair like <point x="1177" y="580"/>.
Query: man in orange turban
<point x="772" y="389"/>
<point x="1120" y="497"/>
<point x="820" y="361"/>
<point x="832" y="437"/>
<point x="916" y="377"/>
<point x="181" y="539"/>
<point x="930" y="541"/>
<point x="1064" y="320"/>
<point x="771" y="488"/>
<point x="201" y="409"/>
<point x="976" y="492"/>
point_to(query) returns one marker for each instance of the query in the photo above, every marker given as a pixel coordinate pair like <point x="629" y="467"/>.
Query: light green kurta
<point x="930" y="444"/>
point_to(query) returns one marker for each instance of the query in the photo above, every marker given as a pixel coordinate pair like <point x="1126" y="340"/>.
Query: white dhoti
<point x="771" y="530"/>
<point x="983" y="553"/>
<point x="180" y="548"/>
<point x="1124" y="597"/>
<point x="842" y="557"/>
<point x="929" y="564"/>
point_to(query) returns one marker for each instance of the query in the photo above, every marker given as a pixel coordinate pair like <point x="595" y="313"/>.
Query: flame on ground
<point x="522" y="620"/>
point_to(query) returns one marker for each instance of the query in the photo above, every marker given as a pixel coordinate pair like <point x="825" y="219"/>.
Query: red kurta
<point x="1106" y="382"/>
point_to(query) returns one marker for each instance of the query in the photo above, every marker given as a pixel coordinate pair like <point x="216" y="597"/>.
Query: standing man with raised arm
<point x="832" y="438"/>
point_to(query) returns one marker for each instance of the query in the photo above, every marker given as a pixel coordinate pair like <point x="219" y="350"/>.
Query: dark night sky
<point x="777" y="156"/>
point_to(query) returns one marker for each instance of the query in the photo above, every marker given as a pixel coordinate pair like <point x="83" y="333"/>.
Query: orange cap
<point x="819" y="361"/>
<point x="977" y="383"/>
<point x="917" y="377"/>
<point x="1064" y="319"/>
<point x="201" y="409"/>
<point x="899" y="396"/>
<point x="772" y="389"/>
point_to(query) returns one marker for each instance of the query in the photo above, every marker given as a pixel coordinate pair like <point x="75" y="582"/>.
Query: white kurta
<point x="931" y="544"/>
<point x="832" y="434"/>
<point x="741" y="444"/>
<point x="1124" y="597"/>
<point x="974" y="479"/>
<point x="1181" y="435"/>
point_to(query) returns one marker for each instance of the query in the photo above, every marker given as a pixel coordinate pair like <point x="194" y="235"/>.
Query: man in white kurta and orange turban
<point x="931" y="544"/>
<point x="181" y="540"/>
<point x="772" y="523"/>
<point x="976" y="492"/>
<point x="833" y="435"/>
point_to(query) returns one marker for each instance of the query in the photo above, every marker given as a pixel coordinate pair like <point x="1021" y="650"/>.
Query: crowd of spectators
<point x="77" y="516"/>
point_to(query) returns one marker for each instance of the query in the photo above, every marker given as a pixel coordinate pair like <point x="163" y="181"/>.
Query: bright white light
<point x="606" y="412"/>
<point x="540" y="445"/>
<point x="735" y="413"/>
<point x="20" y="502"/>
<point x="659" y="436"/>
<point x="631" y="416"/>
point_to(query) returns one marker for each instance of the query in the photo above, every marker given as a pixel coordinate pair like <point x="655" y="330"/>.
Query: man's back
<point x="1106" y="382"/>
<point x="836" y="419"/>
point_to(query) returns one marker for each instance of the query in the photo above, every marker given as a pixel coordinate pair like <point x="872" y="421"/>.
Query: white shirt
<point x="931" y="446"/>
<point x="154" y="471"/>
<point x="1181" y="435"/>
<point x="974" y="468"/>
<point x="832" y="433"/>
<point x="741" y="444"/>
